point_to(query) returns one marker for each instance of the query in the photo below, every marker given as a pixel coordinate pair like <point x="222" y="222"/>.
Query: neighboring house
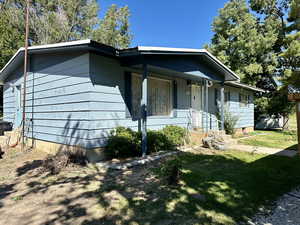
<point x="269" y="122"/>
<point x="77" y="92"/>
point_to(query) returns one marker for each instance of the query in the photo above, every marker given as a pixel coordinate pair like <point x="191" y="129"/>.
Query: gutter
<point x="241" y="85"/>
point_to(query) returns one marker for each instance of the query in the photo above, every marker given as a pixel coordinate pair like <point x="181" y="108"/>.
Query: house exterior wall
<point x="10" y="94"/>
<point x="245" y="114"/>
<point x="108" y="105"/>
<point x="57" y="98"/>
<point x="78" y="98"/>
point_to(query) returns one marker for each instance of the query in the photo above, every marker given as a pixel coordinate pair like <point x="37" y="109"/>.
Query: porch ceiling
<point x="192" y="63"/>
<point x="192" y="75"/>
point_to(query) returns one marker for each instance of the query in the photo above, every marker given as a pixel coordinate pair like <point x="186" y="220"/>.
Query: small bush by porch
<point x="124" y="142"/>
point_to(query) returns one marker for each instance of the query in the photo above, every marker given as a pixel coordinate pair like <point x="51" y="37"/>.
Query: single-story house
<point x="77" y="92"/>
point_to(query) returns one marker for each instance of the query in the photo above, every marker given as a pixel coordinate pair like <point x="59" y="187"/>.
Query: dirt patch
<point x="77" y="195"/>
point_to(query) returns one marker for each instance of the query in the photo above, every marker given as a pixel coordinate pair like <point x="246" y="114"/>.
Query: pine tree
<point x="244" y="43"/>
<point x="291" y="54"/>
<point x="252" y="44"/>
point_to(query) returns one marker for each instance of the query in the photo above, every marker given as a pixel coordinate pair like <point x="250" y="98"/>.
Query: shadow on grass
<point x="234" y="185"/>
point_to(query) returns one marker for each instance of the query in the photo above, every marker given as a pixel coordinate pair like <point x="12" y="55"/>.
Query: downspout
<point x="25" y="71"/>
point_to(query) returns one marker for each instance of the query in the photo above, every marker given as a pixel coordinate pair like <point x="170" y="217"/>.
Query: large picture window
<point x="159" y="96"/>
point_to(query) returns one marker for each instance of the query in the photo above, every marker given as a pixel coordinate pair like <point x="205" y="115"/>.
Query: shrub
<point x="158" y="141"/>
<point x="175" y="134"/>
<point x="230" y="121"/>
<point x="125" y="142"/>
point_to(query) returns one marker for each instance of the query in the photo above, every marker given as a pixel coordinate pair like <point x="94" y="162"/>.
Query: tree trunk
<point x="285" y="122"/>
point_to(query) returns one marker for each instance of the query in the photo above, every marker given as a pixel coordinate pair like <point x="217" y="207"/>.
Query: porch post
<point x="222" y="102"/>
<point x="144" y="109"/>
<point x="206" y="104"/>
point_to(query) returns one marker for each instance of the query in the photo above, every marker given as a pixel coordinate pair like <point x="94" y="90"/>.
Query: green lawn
<point x="273" y="139"/>
<point x="235" y="184"/>
<point x="214" y="188"/>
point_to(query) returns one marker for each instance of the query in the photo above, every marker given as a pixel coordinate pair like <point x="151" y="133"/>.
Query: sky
<point x="169" y="23"/>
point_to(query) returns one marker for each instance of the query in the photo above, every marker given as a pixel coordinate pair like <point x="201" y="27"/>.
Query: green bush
<point x="158" y="141"/>
<point x="124" y="142"/>
<point x="175" y="134"/>
<point x="230" y="121"/>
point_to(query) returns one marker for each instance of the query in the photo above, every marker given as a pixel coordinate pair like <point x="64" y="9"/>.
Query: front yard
<point x="272" y="139"/>
<point x="214" y="188"/>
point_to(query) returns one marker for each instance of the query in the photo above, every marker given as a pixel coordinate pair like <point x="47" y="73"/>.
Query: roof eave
<point x="142" y="50"/>
<point x="245" y="86"/>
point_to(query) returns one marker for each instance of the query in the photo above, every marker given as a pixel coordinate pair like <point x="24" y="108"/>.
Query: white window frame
<point x="151" y="77"/>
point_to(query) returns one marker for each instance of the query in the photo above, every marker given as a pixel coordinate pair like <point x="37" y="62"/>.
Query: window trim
<point x="246" y="96"/>
<point x="170" y="81"/>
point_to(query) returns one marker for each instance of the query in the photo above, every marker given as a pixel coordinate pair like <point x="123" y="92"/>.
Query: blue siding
<point x="245" y="114"/>
<point x="58" y="94"/>
<point x="108" y="73"/>
<point x="78" y="98"/>
<point x="10" y="95"/>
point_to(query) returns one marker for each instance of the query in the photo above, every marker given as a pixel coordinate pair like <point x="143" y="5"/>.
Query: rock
<point x="214" y="141"/>
<point x="207" y="142"/>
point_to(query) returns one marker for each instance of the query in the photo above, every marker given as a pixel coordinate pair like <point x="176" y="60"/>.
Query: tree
<point x="53" y="21"/>
<point x="291" y="53"/>
<point x="11" y="36"/>
<point x="252" y="44"/>
<point x="114" y="28"/>
<point x="245" y="43"/>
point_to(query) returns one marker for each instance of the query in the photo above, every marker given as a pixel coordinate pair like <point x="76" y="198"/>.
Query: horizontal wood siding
<point x="9" y="94"/>
<point x="58" y="98"/>
<point x="78" y="98"/>
<point x="109" y="111"/>
<point x="245" y="114"/>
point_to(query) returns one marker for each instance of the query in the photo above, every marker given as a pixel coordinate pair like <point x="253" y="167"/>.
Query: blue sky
<point x="171" y="23"/>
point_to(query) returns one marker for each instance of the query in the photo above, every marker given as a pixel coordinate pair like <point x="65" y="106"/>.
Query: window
<point x="218" y="97"/>
<point x="244" y="100"/>
<point x="159" y="96"/>
<point x="227" y="97"/>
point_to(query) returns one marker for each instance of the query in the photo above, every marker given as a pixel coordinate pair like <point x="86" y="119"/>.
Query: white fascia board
<point x="244" y="86"/>
<point x="148" y="48"/>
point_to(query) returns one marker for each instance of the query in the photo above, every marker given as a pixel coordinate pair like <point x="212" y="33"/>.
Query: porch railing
<point x="203" y="120"/>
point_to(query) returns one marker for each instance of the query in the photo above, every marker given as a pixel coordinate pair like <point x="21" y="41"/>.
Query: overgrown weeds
<point x="55" y="163"/>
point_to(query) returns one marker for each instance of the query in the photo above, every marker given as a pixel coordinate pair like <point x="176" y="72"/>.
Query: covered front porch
<point x="203" y="74"/>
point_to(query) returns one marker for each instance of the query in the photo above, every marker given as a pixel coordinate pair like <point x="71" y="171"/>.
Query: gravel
<point x="286" y="211"/>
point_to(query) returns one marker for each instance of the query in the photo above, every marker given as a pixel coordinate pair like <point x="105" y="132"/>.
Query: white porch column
<point x="222" y="102"/>
<point x="144" y="109"/>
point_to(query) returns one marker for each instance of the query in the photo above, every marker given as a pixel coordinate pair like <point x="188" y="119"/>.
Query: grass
<point x="235" y="185"/>
<point x="273" y="139"/>
<point x="232" y="186"/>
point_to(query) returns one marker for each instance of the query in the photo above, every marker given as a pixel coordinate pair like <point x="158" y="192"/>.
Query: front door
<point x="18" y="109"/>
<point x="196" y="106"/>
